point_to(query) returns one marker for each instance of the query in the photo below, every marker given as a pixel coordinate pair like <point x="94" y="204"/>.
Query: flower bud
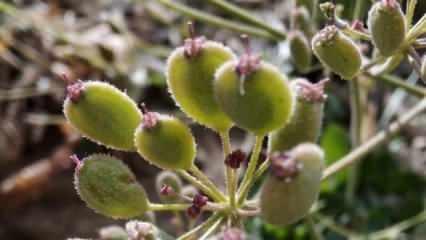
<point x="293" y="185"/>
<point x="254" y="94"/>
<point x="102" y="113"/>
<point x="306" y="121"/>
<point x="172" y="182"/>
<point x="337" y="52"/>
<point x="300" y="51"/>
<point x="113" y="233"/>
<point x="138" y="230"/>
<point x="168" y="144"/>
<point x="190" y="80"/>
<point x="109" y="187"/>
<point x="387" y="25"/>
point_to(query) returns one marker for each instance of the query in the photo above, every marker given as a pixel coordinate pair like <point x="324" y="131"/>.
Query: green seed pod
<point x="293" y="186"/>
<point x="306" y="121"/>
<point x="300" y="51"/>
<point x="387" y="24"/>
<point x="168" y="186"/>
<point x="337" y="52"/>
<point x="254" y="94"/>
<point x="103" y="114"/>
<point x="190" y="80"/>
<point x="165" y="142"/>
<point x="109" y="187"/>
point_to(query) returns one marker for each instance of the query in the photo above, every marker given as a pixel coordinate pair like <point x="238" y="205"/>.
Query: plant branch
<point x="206" y="181"/>
<point x="168" y="207"/>
<point x="247" y="17"/>
<point x="411" y="7"/>
<point x="399" y="83"/>
<point x="249" y="176"/>
<point x="231" y="178"/>
<point x="375" y="141"/>
<point x="209" y="222"/>
<point x="207" y="190"/>
<point x="217" y="21"/>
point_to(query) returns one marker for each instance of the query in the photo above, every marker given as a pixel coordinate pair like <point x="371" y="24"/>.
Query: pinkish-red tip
<point x="313" y="92"/>
<point x="248" y="62"/>
<point x="75" y="91"/>
<point x="150" y="119"/>
<point x="78" y="163"/>
<point x="390" y="3"/>
<point x="166" y="190"/>
<point x="193" y="44"/>
<point x="284" y="166"/>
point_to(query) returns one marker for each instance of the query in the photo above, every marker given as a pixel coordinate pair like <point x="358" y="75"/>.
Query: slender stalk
<point x="262" y="168"/>
<point x="399" y="83"/>
<point x="211" y="229"/>
<point x="375" y="141"/>
<point x="231" y="176"/>
<point x="411" y="7"/>
<point x="206" y="224"/>
<point x="416" y="62"/>
<point x="356" y="34"/>
<point x="247" y="17"/>
<point x="217" y="21"/>
<point x="316" y="233"/>
<point x="356" y="125"/>
<point x="329" y="223"/>
<point x="418" y="29"/>
<point x="249" y="176"/>
<point x="206" y="181"/>
<point x="207" y="190"/>
<point x="168" y="207"/>
<point x="359" y="5"/>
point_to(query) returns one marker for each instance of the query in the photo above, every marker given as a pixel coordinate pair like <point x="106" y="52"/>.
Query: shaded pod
<point x="300" y="51"/>
<point x="293" y="184"/>
<point x="108" y="186"/>
<point x="168" y="186"/>
<point x="254" y="94"/>
<point x="388" y="26"/>
<point x="190" y="75"/>
<point x="301" y="20"/>
<point x="165" y="141"/>
<point x="306" y="121"/>
<point x="102" y="113"/>
<point x="337" y="52"/>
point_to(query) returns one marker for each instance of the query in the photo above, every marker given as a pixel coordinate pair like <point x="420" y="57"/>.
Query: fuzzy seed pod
<point x="306" y="121"/>
<point x="300" y="51"/>
<point x="293" y="185"/>
<point x="102" y="113"/>
<point x="337" y="52"/>
<point x="255" y="95"/>
<point x="166" y="180"/>
<point x="387" y="24"/>
<point x="190" y="80"/>
<point x="165" y="142"/>
<point x="109" y="187"/>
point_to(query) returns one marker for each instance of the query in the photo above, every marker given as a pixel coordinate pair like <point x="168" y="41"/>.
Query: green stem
<point x="211" y="229"/>
<point x="206" y="224"/>
<point x="262" y="168"/>
<point x="359" y="5"/>
<point x="356" y="125"/>
<point x="247" y="17"/>
<point x="375" y="141"/>
<point x="217" y="21"/>
<point x="168" y="207"/>
<point x="207" y="190"/>
<point x="206" y="181"/>
<point x="329" y="223"/>
<point x="316" y="233"/>
<point x="411" y="7"/>
<point x="231" y="176"/>
<point x="249" y="176"/>
<point x="418" y="29"/>
<point x="399" y="83"/>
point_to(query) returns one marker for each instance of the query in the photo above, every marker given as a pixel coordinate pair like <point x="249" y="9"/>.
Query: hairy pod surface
<point x="300" y="51"/>
<point x="104" y="114"/>
<point x="168" y="144"/>
<point x="337" y="52"/>
<point x="306" y="121"/>
<point x="387" y="25"/>
<point x="109" y="187"/>
<point x="260" y="103"/>
<point x="168" y="179"/>
<point x="286" y="199"/>
<point x="190" y="81"/>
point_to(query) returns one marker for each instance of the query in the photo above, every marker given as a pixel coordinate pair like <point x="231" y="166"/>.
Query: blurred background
<point x="126" y="42"/>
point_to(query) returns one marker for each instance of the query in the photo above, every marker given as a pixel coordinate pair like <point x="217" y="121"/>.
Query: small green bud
<point x="165" y="142"/>
<point x="102" y="113"/>
<point x="168" y="186"/>
<point x="306" y="121"/>
<point x="301" y="20"/>
<point x="300" y="51"/>
<point x="387" y="24"/>
<point x="109" y="187"/>
<point x="254" y="94"/>
<point x="293" y="185"/>
<point x="337" y="52"/>
<point x="190" y="75"/>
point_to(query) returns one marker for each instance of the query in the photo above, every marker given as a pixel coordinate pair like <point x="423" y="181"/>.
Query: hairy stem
<point x="231" y="176"/>
<point x="399" y="83"/>
<point x="206" y="224"/>
<point x="168" y="207"/>
<point x="198" y="184"/>
<point x="375" y="141"/>
<point x="206" y="181"/>
<point x="249" y="175"/>
<point x="411" y="7"/>
<point x="217" y="21"/>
